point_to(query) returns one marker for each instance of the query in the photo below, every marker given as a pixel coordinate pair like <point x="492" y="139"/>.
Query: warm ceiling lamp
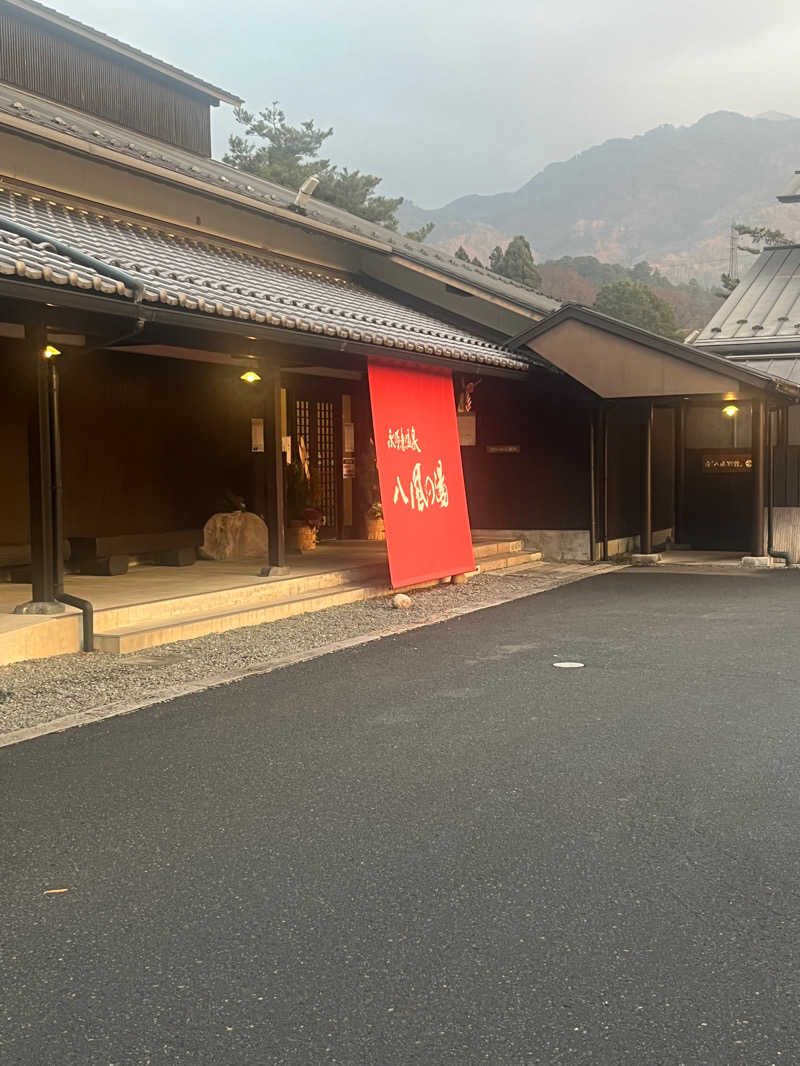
<point x="50" y="352"/>
<point x="731" y="410"/>
<point x="250" y="376"/>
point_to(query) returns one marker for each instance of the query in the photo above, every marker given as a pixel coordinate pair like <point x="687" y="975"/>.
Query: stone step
<point x="509" y="559"/>
<point x="499" y="547"/>
<point x="151" y="633"/>
<point x="260" y="593"/>
<point x="132" y="638"/>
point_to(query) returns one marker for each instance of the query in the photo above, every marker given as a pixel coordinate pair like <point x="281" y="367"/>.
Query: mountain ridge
<point x="667" y="195"/>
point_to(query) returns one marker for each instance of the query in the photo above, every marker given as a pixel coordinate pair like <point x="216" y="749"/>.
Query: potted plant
<point x="304" y="518"/>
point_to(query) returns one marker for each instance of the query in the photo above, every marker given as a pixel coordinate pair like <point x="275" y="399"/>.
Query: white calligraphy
<point x="424" y="491"/>
<point x="404" y="440"/>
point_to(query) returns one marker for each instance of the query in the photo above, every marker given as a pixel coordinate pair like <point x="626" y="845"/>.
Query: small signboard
<point x="503" y="449"/>
<point x="467" y="432"/>
<point x="728" y="463"/>
<point x="349" y="466"/>
<point x="256" y="434"/>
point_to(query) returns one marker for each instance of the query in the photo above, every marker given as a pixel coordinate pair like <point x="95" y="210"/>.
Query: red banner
<point x="420" y="475"/>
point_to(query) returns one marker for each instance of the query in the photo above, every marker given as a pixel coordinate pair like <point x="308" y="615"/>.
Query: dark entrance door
<point x="318" y="423"/>
<point x="717" y="513"/>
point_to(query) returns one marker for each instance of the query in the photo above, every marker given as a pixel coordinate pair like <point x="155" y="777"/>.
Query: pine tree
<point x="277" y="151"/>
<point x="462" y="253"/>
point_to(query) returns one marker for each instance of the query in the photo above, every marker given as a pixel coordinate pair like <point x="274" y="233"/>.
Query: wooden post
<point x="592" y="485"/>
<point x="680" y="471"/>
<point x="40" y="475"/>
<point x="273" y="467"/>
<point x="759" y="496"/>
<point x="646" y="531"/>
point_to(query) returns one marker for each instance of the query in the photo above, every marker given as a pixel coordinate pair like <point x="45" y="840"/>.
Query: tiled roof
<point x="764" y="306"/>
<point x="176" y="164"/>
<point x="103" y="40"/>
<point x="199" y="276"/>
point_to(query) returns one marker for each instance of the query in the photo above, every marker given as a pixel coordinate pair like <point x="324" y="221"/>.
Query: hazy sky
<point x="448" y="98"/>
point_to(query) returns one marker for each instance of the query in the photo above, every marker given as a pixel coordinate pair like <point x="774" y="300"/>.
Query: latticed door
<point x="315" y="425"/>
<point x="325" y="463"/>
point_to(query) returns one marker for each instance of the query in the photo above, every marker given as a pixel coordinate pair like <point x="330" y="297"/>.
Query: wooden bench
<point x="15" y="561"/>
<point x="107" y="556"/>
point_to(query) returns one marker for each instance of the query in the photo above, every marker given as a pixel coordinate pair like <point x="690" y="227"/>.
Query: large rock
<point x="234" y="535"/>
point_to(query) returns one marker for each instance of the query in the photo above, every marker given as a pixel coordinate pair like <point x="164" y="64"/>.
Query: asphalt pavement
<point x="433" y="849"/>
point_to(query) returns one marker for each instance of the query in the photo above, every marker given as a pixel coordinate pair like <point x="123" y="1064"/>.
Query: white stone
<point x="757" y="562"/>
<point x="401" y="600"/>
<point x="652" y="559"/>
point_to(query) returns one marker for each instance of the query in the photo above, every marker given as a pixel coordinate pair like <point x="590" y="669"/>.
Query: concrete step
<point x="147" y="625"/>
<point x="132" y="638"/>
<point x="498" y="547"/>
<point x="506" y="560"/>
<point x="242" y="597"/>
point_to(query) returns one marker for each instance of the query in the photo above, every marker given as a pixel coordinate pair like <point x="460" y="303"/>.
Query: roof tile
<point x="206" y="273"/>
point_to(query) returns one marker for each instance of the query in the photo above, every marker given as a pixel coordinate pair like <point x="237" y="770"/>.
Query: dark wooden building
<point x="162" y="276"/>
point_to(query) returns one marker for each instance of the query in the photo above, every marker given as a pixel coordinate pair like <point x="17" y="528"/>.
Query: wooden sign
<point x="728" y="463"/>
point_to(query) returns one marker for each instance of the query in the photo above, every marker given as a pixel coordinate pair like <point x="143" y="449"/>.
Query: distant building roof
<point x="792" y="193"/>
<point x="89" y="35"/>
<point x="763" y="311"/>
<point x="209" y="278"/>
<point x="54" y="121"/>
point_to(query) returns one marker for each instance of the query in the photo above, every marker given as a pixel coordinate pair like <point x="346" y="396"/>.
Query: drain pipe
<point x="35" y="237"/>
<point x="771" y="552"/>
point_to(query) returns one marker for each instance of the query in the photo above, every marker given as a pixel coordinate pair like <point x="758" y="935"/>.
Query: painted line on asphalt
<point x="188" y="688"/>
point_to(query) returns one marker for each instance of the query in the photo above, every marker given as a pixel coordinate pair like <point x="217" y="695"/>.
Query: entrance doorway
<point x="717" y="511"/>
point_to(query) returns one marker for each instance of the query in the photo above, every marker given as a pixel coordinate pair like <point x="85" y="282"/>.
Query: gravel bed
<point x="33" y="693"/>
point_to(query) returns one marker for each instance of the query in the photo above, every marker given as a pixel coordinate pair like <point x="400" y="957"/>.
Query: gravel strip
<point x="37" y="692"/>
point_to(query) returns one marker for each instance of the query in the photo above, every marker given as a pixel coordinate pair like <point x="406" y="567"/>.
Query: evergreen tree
<point x="517" y="264"/>
<point x="277" y="151"/>
<point x="462" y="253"/>
<point x="496" y="260"/>
<point x="635" y="303"/>
<point x="421" y="233"/>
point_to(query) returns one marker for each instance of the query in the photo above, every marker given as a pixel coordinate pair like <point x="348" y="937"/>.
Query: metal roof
<point x="764" y="307"/>
<point x="792" y="193"/>
<point x="54" y="121"/>
<point x="179" y="271"/>
<point x="785" y="367"/>
<point x="88" y="34"/>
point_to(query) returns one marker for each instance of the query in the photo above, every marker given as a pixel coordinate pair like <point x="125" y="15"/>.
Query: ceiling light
<point x="731" y="410"/>
<point x="50" y="352"/>
<point x="250" y="376"/>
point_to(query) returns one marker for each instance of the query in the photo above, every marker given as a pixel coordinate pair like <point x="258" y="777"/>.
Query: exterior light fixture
<point x="50" y="352"/>
<point x="250" y="376"/>
<point x="731" y="410"/>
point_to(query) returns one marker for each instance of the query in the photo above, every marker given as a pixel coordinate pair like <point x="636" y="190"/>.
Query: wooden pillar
<point x="273" y="467"/>
<point x="680" y="471"/>
<point x="604" y="474"/>
<point x="40" y="474"/>
<point x="593" y="414"/>
<point x="759" y="475"/>
<point x="646" y="524"/>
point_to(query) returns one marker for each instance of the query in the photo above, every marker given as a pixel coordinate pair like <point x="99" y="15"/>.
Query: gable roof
<point x="763" y="309"/>
<point x="89" y="35"/>
<point x="221" y="280"/>
<point x="35" y="116"/>
<point x="639" y="343"/>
